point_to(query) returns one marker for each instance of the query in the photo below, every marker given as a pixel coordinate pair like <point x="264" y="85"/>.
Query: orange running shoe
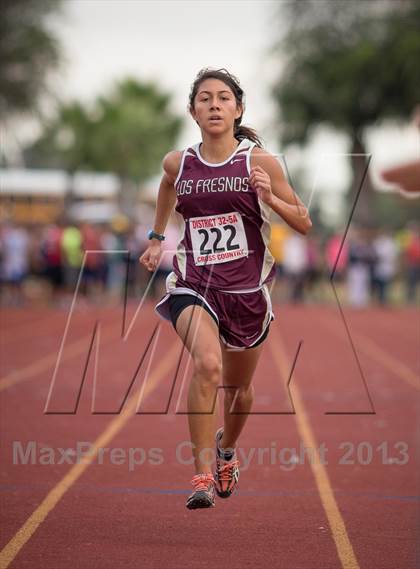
<point x="203" y="495"/>
<point x="227" y="471"/>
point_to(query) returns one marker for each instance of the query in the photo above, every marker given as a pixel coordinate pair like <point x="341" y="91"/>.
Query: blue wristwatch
<point x="153" y="235"/>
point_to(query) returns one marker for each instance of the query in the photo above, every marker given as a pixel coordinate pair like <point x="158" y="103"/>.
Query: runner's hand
<point x="260" y="180"/>
<point x="151" y="256"/>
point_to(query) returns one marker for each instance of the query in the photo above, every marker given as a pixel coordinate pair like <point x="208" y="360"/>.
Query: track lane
<point x="140" y="515"/>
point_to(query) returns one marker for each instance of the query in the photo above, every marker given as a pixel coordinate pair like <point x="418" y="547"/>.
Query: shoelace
<point x="202" y="481"/>
<point x="225" y="473"/>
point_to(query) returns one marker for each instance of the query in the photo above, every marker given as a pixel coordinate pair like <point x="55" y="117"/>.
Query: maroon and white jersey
<point x="226" y="228"/>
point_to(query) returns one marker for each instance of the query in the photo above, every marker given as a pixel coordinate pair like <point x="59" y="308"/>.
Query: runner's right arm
<point x="164" y="205"/>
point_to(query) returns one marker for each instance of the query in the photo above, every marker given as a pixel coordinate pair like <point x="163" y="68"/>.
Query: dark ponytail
<point x="239" y="131"/>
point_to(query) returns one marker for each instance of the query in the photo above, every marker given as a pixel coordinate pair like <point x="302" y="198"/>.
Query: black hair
<point x="239" y="131"/>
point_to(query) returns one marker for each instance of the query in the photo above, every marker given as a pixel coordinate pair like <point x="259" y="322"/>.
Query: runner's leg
<point x="238" y="370"/>
<point x="200" y="335"/>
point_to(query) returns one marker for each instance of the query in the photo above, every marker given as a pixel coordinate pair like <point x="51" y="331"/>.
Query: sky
<point x="169" y="41"/>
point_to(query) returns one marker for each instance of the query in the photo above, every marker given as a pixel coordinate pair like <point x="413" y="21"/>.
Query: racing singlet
<point x="225" y="229"/>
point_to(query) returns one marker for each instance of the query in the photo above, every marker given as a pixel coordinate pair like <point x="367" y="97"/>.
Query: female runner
<point x="217" y="296"/>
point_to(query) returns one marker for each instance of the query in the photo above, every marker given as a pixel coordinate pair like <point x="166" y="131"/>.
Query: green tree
<point x="28" y="51"/>
<point x="351" y="66"/>
<point x="126" y="132"/>
<point x="134" y="129"/>
<point x="66" y="142"/>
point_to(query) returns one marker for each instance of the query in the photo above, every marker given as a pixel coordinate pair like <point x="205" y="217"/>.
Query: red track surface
<point x="292" y="516"/>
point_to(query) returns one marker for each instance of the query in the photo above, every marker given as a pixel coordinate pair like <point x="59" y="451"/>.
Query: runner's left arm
<point x="268" y="179"/>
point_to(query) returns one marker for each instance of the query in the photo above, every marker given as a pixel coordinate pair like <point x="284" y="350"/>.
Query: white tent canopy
<point x="55" y="183"/>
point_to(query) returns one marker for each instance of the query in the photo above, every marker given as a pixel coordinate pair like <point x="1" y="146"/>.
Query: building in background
<point x="31" y="197"/>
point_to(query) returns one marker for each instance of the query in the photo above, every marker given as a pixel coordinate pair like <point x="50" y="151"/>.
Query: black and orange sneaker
<point x="227" y="469"/>
<point x="203" y="495"/>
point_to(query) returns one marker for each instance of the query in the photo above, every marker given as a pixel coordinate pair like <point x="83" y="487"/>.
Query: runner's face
<point x="215" y="108"/>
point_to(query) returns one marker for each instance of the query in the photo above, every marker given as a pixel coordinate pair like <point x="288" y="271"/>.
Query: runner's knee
<point x="208" y="366"/>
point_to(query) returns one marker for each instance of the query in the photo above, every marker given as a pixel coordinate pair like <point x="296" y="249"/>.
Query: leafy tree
<point x="126" y="132"/>
<point x="66" y="140"/>
<point x="64" y="143"/>
<point x="134" y="129"/>
<point x="349" y="65"/>
<point x="28" y="51"/>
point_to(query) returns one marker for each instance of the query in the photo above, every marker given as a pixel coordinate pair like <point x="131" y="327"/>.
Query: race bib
<point x="218" y="238"/>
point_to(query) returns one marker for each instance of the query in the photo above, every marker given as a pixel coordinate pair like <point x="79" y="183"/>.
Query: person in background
<point x="360" y="262"/>
<point x="134" y="245"/>
<point x="295" y="263"/>
<point x="337" y="257"/>
<point x="71" y="247"/>
<point x="384" y="266"/>
<point x="313" y="270"/>
<point x="113" y="269"/>
<point x="52" y="258"/>
<point x="94" y="260"/>
<point x="15" y="262"/>
<point x="336" y="260"/>
<point x="411" y="259"/>
<point x="279" y="233"/>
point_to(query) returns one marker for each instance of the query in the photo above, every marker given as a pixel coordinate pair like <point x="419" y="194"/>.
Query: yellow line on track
<point x="45" y="363"/>
<point x="9" y="552"/>
<point x="374" y="351"/>
<point x="338" y="529"/>
<point x="371" y="349"/>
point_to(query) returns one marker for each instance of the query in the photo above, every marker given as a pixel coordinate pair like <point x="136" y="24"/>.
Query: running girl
<point x="217" y="297"/>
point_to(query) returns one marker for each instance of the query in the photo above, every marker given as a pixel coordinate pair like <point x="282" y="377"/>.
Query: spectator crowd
<point x="101" y="261"/>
